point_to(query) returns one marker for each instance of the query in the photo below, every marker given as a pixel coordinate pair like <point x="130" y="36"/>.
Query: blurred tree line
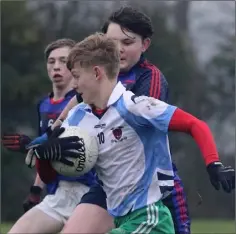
<point x="28" y="27"/>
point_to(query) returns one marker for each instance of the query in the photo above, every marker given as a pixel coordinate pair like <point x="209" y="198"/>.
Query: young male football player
<point x="49" y="108"/>
<point x="134" y="153"/>
<point x="50" y="215"/>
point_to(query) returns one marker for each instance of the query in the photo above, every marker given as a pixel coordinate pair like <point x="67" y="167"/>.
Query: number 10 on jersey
<point x="101" y="138"/>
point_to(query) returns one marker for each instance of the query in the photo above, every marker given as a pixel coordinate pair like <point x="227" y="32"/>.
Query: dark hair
<point x="132" y="20"/>
<point x="65" y="42"/>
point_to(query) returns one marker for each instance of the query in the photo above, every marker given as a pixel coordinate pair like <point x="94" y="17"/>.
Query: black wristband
<point x="35" y="190"/>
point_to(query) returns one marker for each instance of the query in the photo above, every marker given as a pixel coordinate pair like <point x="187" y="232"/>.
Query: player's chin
<point x="59" y="84"/>
<point x="124" y="67"/>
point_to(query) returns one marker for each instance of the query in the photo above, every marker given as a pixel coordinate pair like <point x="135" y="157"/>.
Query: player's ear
<point x="97" y="72"/>
<point x="146" y="44"/>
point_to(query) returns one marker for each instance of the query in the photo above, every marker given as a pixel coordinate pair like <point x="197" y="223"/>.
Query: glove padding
<point x="33" y="198"/>
<point x="16" y="142"/>
<point x="30" y="159"/>
<point x="57" y="149"/>
<point x="221" y="175"/>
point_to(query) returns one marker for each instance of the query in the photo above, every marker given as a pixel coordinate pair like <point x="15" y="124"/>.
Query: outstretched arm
<point x="219" y="175"/>
<point x="182" y="121"/>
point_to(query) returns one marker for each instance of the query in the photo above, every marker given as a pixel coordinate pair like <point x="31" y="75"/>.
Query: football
<point x="87" y="160"/>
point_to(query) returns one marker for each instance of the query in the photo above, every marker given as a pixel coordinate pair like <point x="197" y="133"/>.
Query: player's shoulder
<point x="133" y="101"/>
<point x="41" y="100"/>
<point x="149" y="70"/>
<point x="71" y="94"/>
<point x="146" y="66"/>
<point x="141" y="104"/>
<point x="79" y="107"/>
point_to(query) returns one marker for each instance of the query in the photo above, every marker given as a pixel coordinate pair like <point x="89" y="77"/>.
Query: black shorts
<point x="96" y="196"/>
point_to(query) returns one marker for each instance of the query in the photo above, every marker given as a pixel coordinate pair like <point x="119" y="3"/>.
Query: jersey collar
<point x="116" y="93"/>
<point x="71" y="92"/>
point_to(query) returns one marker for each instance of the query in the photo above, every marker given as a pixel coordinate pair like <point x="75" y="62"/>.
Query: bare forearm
<point x="38" y="182"/>
<point x="73" y="102"/>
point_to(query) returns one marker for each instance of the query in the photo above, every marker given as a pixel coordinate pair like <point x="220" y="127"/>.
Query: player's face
<point x="131" y="45"/>
<point x="56" y="67"/>
<point x="86" y="84"/>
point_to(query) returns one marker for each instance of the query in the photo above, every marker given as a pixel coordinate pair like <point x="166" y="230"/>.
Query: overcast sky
<point x="204" y="18"/>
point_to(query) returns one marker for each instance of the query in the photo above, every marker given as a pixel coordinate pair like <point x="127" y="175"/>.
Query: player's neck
<point x="104" y="95"/>
<point x="59" y="93"/>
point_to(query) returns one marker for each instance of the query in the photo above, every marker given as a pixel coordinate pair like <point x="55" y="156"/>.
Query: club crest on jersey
<point x="117" y="133"/>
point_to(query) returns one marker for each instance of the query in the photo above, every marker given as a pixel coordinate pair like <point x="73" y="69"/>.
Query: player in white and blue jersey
<point x="133" y="139"/>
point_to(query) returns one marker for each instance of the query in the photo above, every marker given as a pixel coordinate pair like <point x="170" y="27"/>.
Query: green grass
<point x="5" y="227"/>
<point x="198" y="226"/>
<point x="213" y="226"/>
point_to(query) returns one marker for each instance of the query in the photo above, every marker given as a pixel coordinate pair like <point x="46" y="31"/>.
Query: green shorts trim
<point x="154" y="218"/>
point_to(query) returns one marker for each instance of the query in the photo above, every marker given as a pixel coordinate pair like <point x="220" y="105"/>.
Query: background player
<point x="49" y="108"/>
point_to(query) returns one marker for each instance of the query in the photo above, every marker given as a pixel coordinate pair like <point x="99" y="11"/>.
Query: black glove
<point x="220" y="175"/>
<point x="33" y="198"/>
<point x="16" y="142"/>
<point x="57" y="149"/>
<point x="55" y="133"/>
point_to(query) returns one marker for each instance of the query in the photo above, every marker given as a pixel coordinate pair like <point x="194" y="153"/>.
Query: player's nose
<point x="56" y="66"/>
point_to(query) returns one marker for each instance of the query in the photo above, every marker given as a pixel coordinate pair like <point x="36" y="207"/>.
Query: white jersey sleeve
<point x="71" y="117"/>
<point x="148" y="111"/>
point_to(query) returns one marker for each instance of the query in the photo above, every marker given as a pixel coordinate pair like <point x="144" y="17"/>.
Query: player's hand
<point x="57" y="149"/>
<point x="33" y="198"/>
<point x="43" y="138"/>
<point x="37" y="141"/>
<point x="221" y="176"/>
<point x="30" y="159"/>
<point x="16" y="142"/>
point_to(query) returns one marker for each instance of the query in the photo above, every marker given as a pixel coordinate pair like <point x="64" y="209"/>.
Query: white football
<point x="87" y="160"/>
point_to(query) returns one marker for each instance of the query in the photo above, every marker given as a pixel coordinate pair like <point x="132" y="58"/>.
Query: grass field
<point x="198" y="226"/>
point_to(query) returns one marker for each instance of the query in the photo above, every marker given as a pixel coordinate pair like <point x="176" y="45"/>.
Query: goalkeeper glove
<point x="221" y="176"/>
<point x="30" y="159"/>
<point x="49" y="134"/>
<point x="57" y="149"/>
<point x="16" y="142"/>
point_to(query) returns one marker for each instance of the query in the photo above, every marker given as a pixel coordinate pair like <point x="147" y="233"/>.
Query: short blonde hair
<point x="96" y="50"/>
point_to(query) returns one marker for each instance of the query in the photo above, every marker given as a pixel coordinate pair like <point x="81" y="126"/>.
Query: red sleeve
<point x="184" y="122"/>
<point x="46" y="173"/>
